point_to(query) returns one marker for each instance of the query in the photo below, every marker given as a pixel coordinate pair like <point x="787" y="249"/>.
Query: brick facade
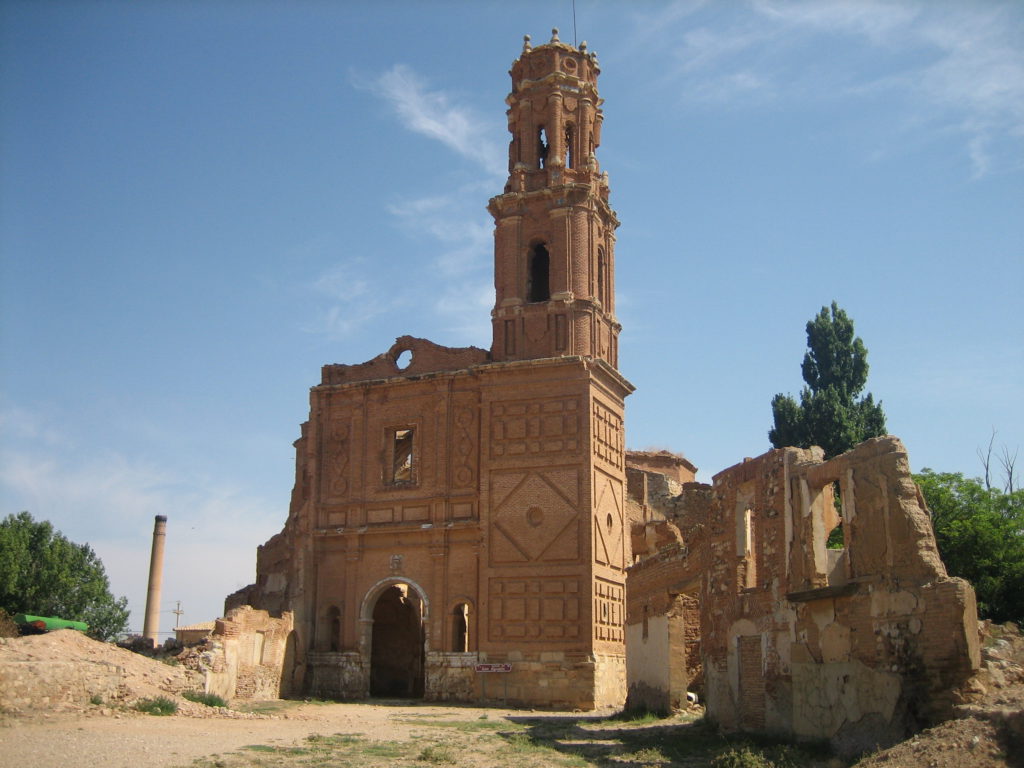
<point x="456" y="507"/>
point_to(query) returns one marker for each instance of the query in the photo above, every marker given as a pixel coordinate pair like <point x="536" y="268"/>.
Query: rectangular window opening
<point x="402" y="455"/>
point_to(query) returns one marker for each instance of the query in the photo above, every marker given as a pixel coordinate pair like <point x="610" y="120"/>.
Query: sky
<point x="202" y="203"/>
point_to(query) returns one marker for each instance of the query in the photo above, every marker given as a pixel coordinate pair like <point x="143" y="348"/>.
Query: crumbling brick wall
<point x="245" y="656"/>
<point x="860" y="645"/>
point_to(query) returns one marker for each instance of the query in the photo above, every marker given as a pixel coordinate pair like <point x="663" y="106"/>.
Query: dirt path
<point x="130" y="740"/>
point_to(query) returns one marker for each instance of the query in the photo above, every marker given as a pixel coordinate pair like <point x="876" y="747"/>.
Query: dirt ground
<point x="129" y="740"/>
<point x="988" y="732"/>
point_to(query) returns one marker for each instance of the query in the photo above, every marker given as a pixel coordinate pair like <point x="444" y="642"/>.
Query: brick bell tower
<point x="554" y="239"/>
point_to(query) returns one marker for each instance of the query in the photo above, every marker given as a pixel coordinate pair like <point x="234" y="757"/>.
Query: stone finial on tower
<point x="554" y="35"/>
<point x="526" y="44"/>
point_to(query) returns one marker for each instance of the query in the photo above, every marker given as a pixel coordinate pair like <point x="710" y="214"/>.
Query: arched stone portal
<point x="397" y="643"/>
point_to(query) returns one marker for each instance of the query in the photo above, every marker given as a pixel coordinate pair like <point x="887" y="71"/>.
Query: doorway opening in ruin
<point x="397" y="643"/>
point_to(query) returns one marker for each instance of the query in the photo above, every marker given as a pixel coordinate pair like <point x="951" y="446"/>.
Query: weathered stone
<point x="859" y="648"/>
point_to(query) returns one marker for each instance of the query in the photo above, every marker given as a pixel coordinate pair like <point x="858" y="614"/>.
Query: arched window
<point x="570" y="146"/>
<point x="602" y="278"/>
<point x="460" y="628"/>
<point x="538" y="286"/>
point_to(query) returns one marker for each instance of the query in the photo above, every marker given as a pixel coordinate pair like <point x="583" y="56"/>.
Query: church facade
<point x="458" y="525"/>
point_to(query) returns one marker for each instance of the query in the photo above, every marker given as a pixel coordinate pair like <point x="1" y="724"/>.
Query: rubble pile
<point x="66" y="671"/>
<point x="988" y="728"/>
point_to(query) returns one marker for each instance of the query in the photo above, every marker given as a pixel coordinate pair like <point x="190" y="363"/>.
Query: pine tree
<point x="835" y="370"/>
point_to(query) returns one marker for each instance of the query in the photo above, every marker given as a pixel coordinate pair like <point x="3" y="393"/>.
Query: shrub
<point x="437" y="753"/>
<point x="740" y="757"/>
<point x="209" y="699"/>
<point x="161" y="705"/>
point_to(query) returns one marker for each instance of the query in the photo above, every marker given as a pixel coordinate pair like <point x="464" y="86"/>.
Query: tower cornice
<point x="569" y="196"/>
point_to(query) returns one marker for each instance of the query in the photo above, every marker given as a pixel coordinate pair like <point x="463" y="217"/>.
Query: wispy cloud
<point x="452" y="233"/>
<point x="108" y="499"/>
<point x="434" y="113"/>
<point x="462" y="231"/>
<point x="462" y="257"/>
<point x="876" y="20"/>
<point x="956" y="67"/>
<point x="348" y="296"/>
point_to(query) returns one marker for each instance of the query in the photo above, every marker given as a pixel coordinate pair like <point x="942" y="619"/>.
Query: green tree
<point x="835" y="370"/>
<point x="45" y="574"/>
<point x="980" y="533"/>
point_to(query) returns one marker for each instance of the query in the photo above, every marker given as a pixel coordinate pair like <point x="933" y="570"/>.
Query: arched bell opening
<point x="538" y="279"/>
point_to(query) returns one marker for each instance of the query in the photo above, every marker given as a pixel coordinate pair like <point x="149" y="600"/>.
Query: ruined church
<point x="455" y="508"/>
<point x="465" y="523"/>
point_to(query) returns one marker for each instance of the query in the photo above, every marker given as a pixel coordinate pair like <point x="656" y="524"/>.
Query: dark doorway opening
<point x="396" y="658"/>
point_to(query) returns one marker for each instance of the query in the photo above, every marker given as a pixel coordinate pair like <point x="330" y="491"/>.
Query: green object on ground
<point x="49" y="623"/>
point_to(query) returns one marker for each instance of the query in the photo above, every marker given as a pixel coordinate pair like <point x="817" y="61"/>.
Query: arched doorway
<point x="397" y="643"/>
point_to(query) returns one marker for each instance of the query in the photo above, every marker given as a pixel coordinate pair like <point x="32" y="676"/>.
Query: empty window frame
<point x="401" y="460"/>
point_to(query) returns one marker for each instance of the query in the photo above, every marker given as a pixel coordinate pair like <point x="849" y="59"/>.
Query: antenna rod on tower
<point x="574" y="43"/>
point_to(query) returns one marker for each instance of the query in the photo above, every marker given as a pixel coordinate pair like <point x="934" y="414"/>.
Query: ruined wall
<point x="46" y="685"/>
<point x="665" y="464"/>
<point x="656" y="631"/>
<point x="246" y="656"/>
<point x="860" y="645"/>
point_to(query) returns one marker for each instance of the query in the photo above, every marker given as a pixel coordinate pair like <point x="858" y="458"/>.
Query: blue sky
<point x="202" y="203"/>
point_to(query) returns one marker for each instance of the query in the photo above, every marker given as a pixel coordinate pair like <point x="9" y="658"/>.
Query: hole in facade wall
<point x="404" y="359"/>
<point x="830" y="559"/>
<point x="746" y="548"/>
<point x="836" y="547"/>
<point x="402" y="460"/>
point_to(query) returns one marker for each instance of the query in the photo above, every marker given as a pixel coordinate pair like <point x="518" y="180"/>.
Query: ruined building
<point x="462" y="507"/>
<point x="463" y="520"/>
<point x="736" y="593"/>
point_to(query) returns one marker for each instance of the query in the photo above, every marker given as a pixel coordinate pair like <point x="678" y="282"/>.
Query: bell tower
<point x="554" y="237"/>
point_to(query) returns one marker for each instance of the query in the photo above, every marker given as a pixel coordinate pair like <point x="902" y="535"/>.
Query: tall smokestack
<point x="156" y="577"/>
